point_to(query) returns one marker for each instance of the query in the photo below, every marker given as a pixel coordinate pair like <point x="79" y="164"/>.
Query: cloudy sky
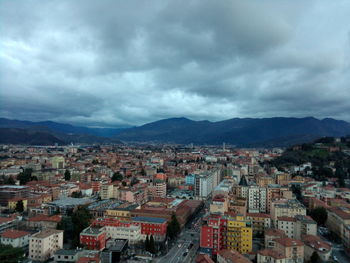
<point x="116" y="63"/>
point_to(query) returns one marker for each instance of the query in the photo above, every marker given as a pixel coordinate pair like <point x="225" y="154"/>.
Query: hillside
<point x="59" y="127"/>
<point x="28" y="137"/>
<point x="64" y="133"/>
<point x="247" y="132"/>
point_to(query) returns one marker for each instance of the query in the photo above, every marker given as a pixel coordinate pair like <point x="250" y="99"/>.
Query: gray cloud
<point x="112" y="63"/>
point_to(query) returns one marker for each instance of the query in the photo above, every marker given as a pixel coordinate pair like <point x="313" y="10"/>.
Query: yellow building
<point x="13" y="202"/>
<point x="58" y="162"/>
<point x="119" y="213"/>
<point x="239" y="234"/>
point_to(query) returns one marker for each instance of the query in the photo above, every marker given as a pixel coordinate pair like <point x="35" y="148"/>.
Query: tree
<point x="77" y="194"/>
<point x="25" y="176"/>
<point x="10" y="181"/>
<point x="19" y="206"/>
<point x="67" y="226"/>
<point x="81" y="220"/>
<point x="319" y="214"/>
<point x="67" y="175"/>
<point x="9" y="254"/>
<point x="315" y="258"/>
<point x="340" y="174"/>
<point x="117" y="177"/>
<point x="143" y="172"/>
<point x="173" y="228"/>
<point x="147" y="243"/>
<point x="152" y="247"/>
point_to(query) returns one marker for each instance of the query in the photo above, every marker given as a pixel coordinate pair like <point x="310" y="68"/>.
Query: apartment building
<point x="293" y="249"/>
<point x="94" y="238"/>
<point x="10" y="192"/>
<point x="256" y="199"/>
<point x="285" y="207"/>
<point x="337" y="218"/>
<point x="239" y="234"/>
<point x="260" y="222"/>
<point x="269" y="255"/>
<point x="276" y="192"/>
<point x="44" y="244"/>
<point x="157" y="189"/>
<point x="219" y="204"/>
<point x="203" y="185"/>
<point x="313" y="244"/>
<point x="271" y="235"/>
<point x="106" y="191"/>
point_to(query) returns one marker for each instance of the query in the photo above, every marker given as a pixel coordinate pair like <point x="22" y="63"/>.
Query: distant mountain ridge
<point x="244" y="132"/>
<point x="59" y="127"/>
<point x="50" y="133"/>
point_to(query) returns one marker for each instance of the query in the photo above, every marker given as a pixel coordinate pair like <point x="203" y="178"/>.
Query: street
<point x="181" y="252"/>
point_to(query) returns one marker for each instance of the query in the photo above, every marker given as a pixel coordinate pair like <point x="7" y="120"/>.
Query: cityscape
<point x="176" y="203"/>
<point x="174" y="132"/>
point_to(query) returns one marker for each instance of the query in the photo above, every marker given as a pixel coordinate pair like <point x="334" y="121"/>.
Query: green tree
<point x="77" y="194"/>
<point x="147" y="243"/>
<point x="143" y="172"/>
<point x="25" y="176"/>
<point x="10" y="181"/>
<point x="152" y="247"/>
<point x="19" y="206"/>
<point x="173" y="228"/>
<point x="315" y="258"/>
<point x="319" y="214"/>
<point x="80" y="219"/>
<point x="117" y="177"/>
<point x="9" y="254"/>
<point x="67" y="175"/>
<point x="340" y="174"/>
<point x="67" y="226"/>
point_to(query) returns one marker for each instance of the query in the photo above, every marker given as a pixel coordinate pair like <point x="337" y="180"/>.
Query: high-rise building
<point x="226" y="232"/>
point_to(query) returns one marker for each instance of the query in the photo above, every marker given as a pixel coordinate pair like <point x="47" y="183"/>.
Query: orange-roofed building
<point x="15" y="238"/>
<point x="292" y="248"/>
<point x="160" y="176"/>
<point x="316" y="244"/>
<point x="44" y="221"/>
<point x="203" y="258"/>
<point x="269" y="255"/>
<point x="228" y="256"/>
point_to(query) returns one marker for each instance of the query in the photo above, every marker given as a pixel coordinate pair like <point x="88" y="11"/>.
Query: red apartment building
<point x="152" y="226"/>
<point x="213" y="234"/>
<point x="93" y="238"/>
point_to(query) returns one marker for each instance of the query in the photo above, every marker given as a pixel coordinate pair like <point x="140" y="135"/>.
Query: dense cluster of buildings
<point x="133" y="193"/>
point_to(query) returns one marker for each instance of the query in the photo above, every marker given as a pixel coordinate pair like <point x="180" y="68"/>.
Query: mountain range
<point x="242" y="132"/>
<point x="50" y="133"/>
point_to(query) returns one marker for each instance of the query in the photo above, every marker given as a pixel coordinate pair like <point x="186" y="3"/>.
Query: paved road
<point x="190" y="234"/>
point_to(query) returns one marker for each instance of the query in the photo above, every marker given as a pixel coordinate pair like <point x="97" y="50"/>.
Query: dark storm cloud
<point x="129" y="62"/>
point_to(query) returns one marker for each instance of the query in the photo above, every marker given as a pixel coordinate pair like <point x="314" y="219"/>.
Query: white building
<point x="298" y="226"/>
<point x="132" y="232"/>
<point x="44" y="244"/>
<point x="15" y="238"/>
<point x="256" y="199"/>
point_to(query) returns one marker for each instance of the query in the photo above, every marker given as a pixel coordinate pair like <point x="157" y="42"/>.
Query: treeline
<point x="325" y="154"/>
